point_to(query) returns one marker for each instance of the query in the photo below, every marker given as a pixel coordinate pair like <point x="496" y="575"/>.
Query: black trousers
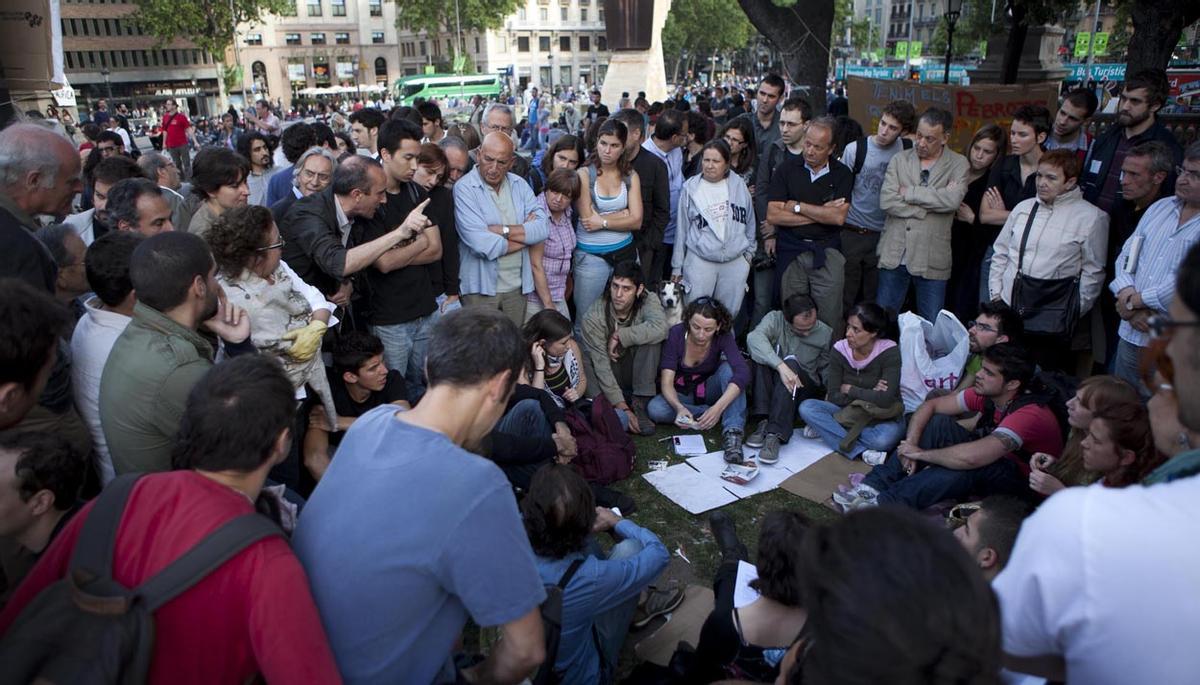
<point x="772" y="399"/>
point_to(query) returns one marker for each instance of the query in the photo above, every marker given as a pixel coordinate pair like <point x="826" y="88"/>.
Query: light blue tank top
<point x="603" y="242"/>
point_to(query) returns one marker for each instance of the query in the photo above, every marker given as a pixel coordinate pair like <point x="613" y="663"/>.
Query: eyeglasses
<point x="502" y="129"/>
<point x="1192" y="175"/>
<point x="986" y="328"/>
<point x="276" y="246"/>
<point x="309" y="175"/>
<point x="1163" y="326"/>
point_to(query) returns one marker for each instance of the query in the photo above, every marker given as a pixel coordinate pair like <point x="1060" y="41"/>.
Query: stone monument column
<point x="634" y="29"/>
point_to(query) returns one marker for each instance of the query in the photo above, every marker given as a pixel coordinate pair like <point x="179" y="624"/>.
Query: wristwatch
<point x="604" y="224"/>
<point x="505" y="230"/>
<point x="796" y="208"/>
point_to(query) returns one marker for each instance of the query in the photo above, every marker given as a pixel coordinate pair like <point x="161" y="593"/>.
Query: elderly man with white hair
<point x="312" y="173"/>
<point x="39" y="174"/>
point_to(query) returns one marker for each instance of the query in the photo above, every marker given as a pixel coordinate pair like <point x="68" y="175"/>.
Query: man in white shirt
<point x="264" y="120"/>
<point x="105" y="317"/>
<point x="1102" y="585"/>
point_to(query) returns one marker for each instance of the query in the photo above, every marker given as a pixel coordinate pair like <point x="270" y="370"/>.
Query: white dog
<point x="670" y="295"/>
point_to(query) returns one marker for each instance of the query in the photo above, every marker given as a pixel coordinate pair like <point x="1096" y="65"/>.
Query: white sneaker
<point x="810" y="433"/>
<point x="857" y="503"/>
<point x="874" y="457"/>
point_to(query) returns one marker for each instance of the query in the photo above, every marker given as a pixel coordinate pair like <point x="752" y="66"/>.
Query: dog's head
<point x="670" y="295"/>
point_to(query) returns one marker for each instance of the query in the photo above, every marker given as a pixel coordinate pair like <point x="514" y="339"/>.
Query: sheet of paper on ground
<point x="696" y="484"/>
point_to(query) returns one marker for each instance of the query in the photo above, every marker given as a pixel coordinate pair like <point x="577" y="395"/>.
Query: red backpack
<point x="605" y="450"/>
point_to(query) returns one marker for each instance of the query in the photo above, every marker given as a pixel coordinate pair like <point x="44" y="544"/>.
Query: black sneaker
<point x="645" y="425"/>
<point x="769" y="454"/>
<point x="733" y="447"/>
<point x="756" y="438"/>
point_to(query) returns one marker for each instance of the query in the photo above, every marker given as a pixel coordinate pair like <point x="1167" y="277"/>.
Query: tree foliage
<point x="209" y="24"/>
<point x="703" y="27"/>
<point x="860" y="31"/>
<point x="436" y="15"/>
<point x="974" y="25"/>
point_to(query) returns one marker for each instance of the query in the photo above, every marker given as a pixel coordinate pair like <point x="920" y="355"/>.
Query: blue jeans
<point x="404" y="347"/>
<point x="591" y="274"/>
<point x="734" y="417"/>
<point x="613" y="625"/>
<point x="1125" y="363"/>
<point x="893" y="288"/>
<point x="934" y="484"/>
<point x="882" y="437"/>
<point x="525" y="418"/>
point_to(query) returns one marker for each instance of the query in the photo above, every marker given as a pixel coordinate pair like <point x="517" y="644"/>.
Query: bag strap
<point x="205" y="557"/>
<point x="97" y="540"/>
<point x="1025" y="238"/>
<point x="860" y="154"/>
<point x="566" y="579"/>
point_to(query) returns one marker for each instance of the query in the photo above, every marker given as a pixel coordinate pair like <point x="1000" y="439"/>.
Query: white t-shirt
<point x="1110" y="580"/>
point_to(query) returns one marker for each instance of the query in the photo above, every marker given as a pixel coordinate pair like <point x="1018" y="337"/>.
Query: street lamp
<point x="107" y="84"/>
<point x="953" y="10"/>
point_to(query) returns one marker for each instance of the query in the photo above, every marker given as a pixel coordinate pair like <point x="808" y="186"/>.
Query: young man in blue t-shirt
<point x="408" y="533"/>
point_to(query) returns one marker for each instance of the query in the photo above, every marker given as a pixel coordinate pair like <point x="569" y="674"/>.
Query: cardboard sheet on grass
<point x="972" y="106"/>
<point x="696" y="483"/>
<point x="817" y="482"/>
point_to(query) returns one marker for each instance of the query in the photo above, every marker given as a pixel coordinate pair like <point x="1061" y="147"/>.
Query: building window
<point x="585" y="44"/>
<point x="563" y="11"/>
<point x="602" y="43"/>
<point x="314" y="8"/>
<point x="476" y="44"/>
<point x="520" y="14"/>
<point x="564" y="43"/>
<point x="544" y="76"/>
<point x="339" y="7"/>
<point x="316" y="38"/>
<point x="423" y="49"/>
<point x="291" y="38"/>
<point x="544" y="44"/>
<point x="600" y="12"/>
<point x="341" y="38"/>
<point x="544" y="14"/>
<point x="522" y="43"/>
<point x="376" y="8"/>
<point x="253" y="39"/>
<point x="582" y="14"/>
<point x="321" y="70"/>
<point x="564" y="76"/>
<point x="381" y="70"/>
<point x="377" y="37"/>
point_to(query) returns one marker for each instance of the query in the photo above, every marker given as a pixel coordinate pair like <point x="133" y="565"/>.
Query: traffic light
<point x="914" y="74"/>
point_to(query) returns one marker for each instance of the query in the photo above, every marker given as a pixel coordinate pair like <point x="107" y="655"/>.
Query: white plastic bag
<point x="932" y="356"/>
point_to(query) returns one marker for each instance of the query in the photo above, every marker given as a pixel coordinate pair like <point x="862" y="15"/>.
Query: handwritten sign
<point x="972" y="106"/>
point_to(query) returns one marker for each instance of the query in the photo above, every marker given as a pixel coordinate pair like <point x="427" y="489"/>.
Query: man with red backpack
<point x="221" y="612"/>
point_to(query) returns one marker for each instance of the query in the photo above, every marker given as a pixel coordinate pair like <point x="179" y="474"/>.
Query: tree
<point x="974" y="25"/>
<point x="207" y="24"/>
<point x="1157" y="26"/>
<point x="801" y="32"/>
<point x="690" y="30"/>
<point x="859" y="30"/>
<point x="433" y="16"/>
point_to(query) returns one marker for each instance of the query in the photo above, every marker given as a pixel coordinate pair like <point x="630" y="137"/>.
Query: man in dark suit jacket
<point x="316" y="230"/>
<point x="32" y="153"/>
<point x="656" y="191"/>
<point x="312" y="173"/>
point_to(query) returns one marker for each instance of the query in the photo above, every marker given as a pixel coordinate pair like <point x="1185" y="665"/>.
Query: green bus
<point x="442" y="86"/>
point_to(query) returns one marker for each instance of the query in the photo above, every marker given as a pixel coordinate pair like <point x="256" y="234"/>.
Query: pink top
<point x="843" y="347"/>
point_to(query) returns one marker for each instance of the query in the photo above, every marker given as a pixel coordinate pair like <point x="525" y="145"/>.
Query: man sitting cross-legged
<point x="941" y="460"/>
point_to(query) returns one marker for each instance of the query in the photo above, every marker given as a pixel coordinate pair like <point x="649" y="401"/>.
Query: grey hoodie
<point x="695" y="236"/>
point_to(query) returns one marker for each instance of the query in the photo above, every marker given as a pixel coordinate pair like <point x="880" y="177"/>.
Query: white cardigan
<point x="1068" y="239"/>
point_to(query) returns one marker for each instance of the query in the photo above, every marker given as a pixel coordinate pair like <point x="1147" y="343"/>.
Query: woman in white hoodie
<point x="1056" y="236"/>
<point x="716" y="231"/>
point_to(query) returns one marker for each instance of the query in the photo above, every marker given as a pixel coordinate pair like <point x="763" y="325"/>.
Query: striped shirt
<point x="1164" y="244"/>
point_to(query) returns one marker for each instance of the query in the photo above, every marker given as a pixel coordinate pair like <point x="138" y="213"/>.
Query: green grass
<point x="677" y="528"/>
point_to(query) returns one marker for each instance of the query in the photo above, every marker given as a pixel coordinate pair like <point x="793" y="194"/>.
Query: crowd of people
<point x="420" y="354"/>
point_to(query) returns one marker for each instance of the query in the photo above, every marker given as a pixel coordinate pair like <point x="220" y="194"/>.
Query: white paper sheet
<point x="690" y="489"/>
<point x="743" y="594"/>
<point x="689" y="445"/>
<point x="713" y="464"/>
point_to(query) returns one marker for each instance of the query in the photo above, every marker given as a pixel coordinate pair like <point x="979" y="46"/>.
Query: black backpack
<point x="860" y="152"/>
<point x="88" y="628"/>
<point x="552" y="618"/>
